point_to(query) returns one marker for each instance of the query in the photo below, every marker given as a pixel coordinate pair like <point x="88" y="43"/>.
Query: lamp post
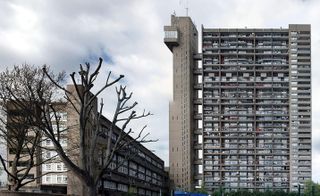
<point x="299" y="189"/>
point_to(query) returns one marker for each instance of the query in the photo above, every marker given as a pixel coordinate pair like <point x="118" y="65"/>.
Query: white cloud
<point x="129" y="34"/>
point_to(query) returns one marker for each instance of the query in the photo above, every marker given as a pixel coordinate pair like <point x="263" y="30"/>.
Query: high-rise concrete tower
<point x="242" y="118"/>
<point x="182" y="39"/>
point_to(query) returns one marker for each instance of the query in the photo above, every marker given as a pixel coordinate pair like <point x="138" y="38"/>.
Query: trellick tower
<point x="182" y="39"/>
<point x="241" y="119"/>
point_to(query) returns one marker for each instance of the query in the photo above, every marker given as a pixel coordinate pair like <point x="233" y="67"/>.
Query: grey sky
<point x="128" y="34"/>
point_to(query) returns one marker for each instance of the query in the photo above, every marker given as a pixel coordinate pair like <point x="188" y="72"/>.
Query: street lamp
<point x="299" y="189"/>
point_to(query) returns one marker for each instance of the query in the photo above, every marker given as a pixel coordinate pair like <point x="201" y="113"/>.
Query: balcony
<point x="171" y="37"/>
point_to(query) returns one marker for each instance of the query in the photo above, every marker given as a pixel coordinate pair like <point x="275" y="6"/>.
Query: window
<point x="48" y="155"/>
<point x="48" y="142"/>
<point x="141" y="154"/>
<point x="59" y="167"/>
<point x="141" y="176"/>
<point x="132" y="172"/>
<point x="123" y="169"/>
<point x="200" y="169"/>
<point x="62" y="127"/>
<point x="200" y="109"/>
<point x="200" y="124"/>
<point x="171" y="34"/>
<point x="64" y="167"/>
<point x="112" y="165"/>
<point x="63" y="142"/>
<point x="294" y="60"/>
<point x="141" y="191"/>
<point x="110" y="185"/>
<point x="199" y="92"/>
<point x="59" y="179"/>
<point x="122" y="161"/>
<point x="148" y="172"/>
<point x="141" y="169"/>
<point x="133" y="165"/>
<point x="123" y="187"/>
<point x="148" y="158"/>
<point x="199" y="139"/>
<point x="64" y="179"/>
<point x="63" y="116"/>
<point x="200" y="154"/>
<point x="48" y="179"/>
<point x="47" y="167"/>
<point x="54" y="128"/>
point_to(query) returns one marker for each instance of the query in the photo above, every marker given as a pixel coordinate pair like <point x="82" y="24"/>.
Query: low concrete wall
<point x="10" y="193"/>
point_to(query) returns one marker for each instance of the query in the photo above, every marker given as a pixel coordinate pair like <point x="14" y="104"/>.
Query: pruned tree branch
<point x="91" y="133"/>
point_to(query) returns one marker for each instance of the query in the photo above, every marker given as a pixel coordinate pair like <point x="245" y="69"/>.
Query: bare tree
<point x="20" y="142"/>
<point x="19" y="90"/>
<point x="88" y="156"/>
<point x="88" y="166"/>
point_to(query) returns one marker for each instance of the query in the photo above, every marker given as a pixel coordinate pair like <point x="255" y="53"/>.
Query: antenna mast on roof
<point x="187" y="8"/>
<point x="185" y="5"/>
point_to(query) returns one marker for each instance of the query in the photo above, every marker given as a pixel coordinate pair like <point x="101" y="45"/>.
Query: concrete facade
<point x="182" y="39"/>
<point x="250" y="116"/>
<point x="134" y="169"/>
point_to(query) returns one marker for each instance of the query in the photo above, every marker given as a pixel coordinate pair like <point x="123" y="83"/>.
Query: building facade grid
<point x="251" y="103"/>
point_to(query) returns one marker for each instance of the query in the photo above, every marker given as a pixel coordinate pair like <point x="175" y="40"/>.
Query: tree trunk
<point x="91" y="190"/>
<point x="16" y="186"/>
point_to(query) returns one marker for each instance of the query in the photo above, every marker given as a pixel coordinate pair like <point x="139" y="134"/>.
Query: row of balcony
<point x="244" y="92"/>
<point x="226" y="127"/>
<point x="235" y="186"/>
<point x="277" y="142"/>
<point x="244" y="134"/>
<point x="248" y="78"/>
<point x="216" y="69"/>
<point x="241" y="41"/>
<point x="209" y="178"/>
<point x="251" y="160"/>
<point x="245" y="118"/>
<point x="248" y="113"/>
<point x="260" y="74"/>
<point x="248" y="52"/>
<point x="248" y="34"/>
<point x="247" y="102"/>
<point x="243" y="49"/>
<point x="235" y="84"/>
<point x="246" y="62"/>
<point x="250" y="164"/>
<point x="239" y="146"/>
<point x="242" y="96"/>
<point x="209" y="36"/>
<point x="247" y="158"/>
<point x="245" y="108"/>
<point x="244" y="124"/>
<point x="261" y="152"/>
<point x="233" y="133"/>
<point x="260" y="168"/>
